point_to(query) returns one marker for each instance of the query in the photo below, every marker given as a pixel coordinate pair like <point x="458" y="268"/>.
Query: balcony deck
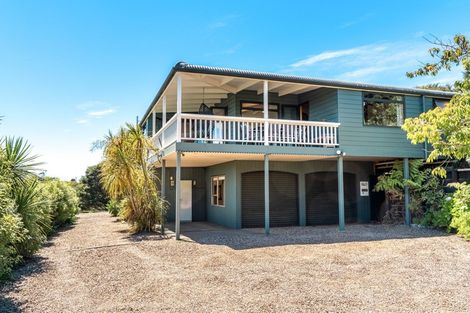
<point x="241" y="131"/>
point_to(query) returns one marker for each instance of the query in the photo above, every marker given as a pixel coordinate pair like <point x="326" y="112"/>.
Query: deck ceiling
<point x="204" y="159"/>
<point x="217" y="87"/>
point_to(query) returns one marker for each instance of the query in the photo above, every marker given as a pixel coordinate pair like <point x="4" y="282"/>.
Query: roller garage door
<point x="321" y="191"/>
<point x="283" y="199"/>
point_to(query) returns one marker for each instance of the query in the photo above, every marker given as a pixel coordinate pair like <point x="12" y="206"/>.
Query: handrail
<point x="164" y="127"/>
<point x="257" y="119"/>
<point x="242" y="130"/>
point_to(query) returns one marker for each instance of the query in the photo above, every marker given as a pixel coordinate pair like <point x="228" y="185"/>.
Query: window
<point x="440" y="103"/>
<point x="254" y="109"/>
<point x="218" y="190"/>
<point x="290" y="112"/>
<point x="383" y="109"/>
<point x="219" y="111"/>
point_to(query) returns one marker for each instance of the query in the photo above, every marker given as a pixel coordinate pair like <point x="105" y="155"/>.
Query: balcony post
<point x="266" y="112"/>
<point x="154" y="123"/>
<point x="178" y="195"/>
<point x="266" y="194"/>
<point x="163" y="118"/>
<point x="179" y="104"/>
<point x="340" y="192"/>
<point x="163" y="190"/>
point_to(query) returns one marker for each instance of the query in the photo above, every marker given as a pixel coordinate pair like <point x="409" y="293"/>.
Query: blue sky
<point x="71" y="71"/>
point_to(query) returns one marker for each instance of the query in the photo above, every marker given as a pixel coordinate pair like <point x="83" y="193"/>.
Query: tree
<point x="446" y="129"/>
<point x="127" y="174"/>
<point x="92" y="194"/>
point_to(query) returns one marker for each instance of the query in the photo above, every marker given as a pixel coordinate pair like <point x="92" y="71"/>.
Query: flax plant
<point x="128" y="175"/>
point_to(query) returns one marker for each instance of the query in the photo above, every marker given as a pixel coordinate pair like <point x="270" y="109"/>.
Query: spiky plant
<point x="127" y="174"/>
<point x="18" y="160"/>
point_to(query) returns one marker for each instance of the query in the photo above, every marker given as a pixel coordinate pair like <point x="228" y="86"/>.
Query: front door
<point x="186" y="200"/>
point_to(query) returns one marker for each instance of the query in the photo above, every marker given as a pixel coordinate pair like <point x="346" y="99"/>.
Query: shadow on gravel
<point x="143" y="236"/>
<point x="31" y="267"/>
<point x="309" y="235"/>
<point x="8" y="306"/>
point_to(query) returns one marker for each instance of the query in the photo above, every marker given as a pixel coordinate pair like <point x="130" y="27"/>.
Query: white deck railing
<point x="228" y="129"/>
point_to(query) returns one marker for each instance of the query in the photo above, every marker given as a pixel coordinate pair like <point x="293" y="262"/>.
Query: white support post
<point x="179" y="104"/>
<point x="266" y="112"/>
<point x="178" y="195"/>
<point x="154" y="123"/>
<point x="163" y="118"/>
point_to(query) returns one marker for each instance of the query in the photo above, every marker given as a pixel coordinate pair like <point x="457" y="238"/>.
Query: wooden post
<point x="266" y="112"/>
<point x="266" y="194"/>
<point x="302" y="204"/>
<point x="178" y="195"/>
<point x="179" y="104"/>
<point x="340" y="193"/>
<point x="163" y="119"/>
<point x="163" y="191"/>
<point x="406" y="175"/>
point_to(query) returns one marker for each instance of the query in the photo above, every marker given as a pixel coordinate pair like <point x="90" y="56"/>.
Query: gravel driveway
<point x="96" y="266"/>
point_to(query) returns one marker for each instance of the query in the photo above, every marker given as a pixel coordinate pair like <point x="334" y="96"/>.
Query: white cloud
<point x="101" y="113"/>
<point x="330" y="55"/>
<point x="382" y="62"/>
<point x="87" y="105"/>
<point x="356" y="21"/>
<point x="363" y="72"/>
<point x="327" y="55"/>
<point x="218" y="24"/>
<point x="222" y="22"/>
<point x="82" y="121"/>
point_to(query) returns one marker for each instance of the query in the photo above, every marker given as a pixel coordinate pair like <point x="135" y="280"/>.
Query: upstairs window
<point x="383" y="109"/>
<point x="218" y="191"/>
<point x="255" y="109"/>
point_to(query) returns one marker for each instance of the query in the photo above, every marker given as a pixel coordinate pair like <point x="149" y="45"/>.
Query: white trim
<point x="217" y="179"/>
<point x="179" y="104"/>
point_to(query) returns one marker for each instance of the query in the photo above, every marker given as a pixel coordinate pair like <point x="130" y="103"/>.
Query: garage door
<point x="283" y="200"/>
<point x="321" y="191"/>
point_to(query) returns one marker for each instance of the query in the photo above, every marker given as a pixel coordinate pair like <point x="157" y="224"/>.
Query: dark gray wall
<point x="322" y="104"/>
<point x="198" y="192"/>
<point x="230" y="214"/>
<point x="226" y="215"/>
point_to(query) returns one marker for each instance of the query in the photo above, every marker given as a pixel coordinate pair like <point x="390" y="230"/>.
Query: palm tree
<point x="127" y="174"/>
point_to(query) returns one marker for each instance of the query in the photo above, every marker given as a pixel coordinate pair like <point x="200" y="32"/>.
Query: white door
<point x="186" y="201"/>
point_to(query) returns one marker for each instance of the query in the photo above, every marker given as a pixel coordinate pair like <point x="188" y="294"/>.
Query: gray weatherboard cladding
<point x="356" y="139"/>
<point x="322" y="104"/>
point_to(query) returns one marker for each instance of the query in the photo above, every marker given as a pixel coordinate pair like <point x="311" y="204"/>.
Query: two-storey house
<point x="251" y="149"/>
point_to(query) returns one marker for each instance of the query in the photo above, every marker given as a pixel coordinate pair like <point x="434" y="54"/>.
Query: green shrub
<point x="439" y="217"/>
<point x="461" y="210"/>
<point x="114" y="207"/>
<point x="63" y="201"/>
<point x="92" y="195"/>
<point x="34" y="210"/>
<point x="12" y="232"/>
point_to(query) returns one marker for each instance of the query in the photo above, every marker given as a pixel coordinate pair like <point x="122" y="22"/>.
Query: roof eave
<point x="199" y="69"/>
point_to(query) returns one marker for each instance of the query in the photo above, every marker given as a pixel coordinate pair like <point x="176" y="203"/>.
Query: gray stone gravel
<point x="96" y="266"/>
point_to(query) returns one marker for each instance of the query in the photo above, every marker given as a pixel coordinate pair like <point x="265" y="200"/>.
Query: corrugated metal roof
<point x="210" y="70"/>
